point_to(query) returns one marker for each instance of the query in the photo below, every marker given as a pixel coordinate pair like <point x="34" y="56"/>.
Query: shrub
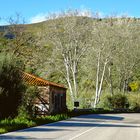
<point x="26" y="110"/>
<point x="134" y="101"/>
<point x="11" y="86"/>
<point x="117" y="101"/>
<point x="134" y="86"/>
<point x="104" y="102"/>
<point x="9" y="124"/>
<point x="17" y="123"/>
<point x="3" y="130"/>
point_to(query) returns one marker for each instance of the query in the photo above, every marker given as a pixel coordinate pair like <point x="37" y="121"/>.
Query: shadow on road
<point x="85" y="124"/>
<point x="10" y="137"/>
<point x="43" y="129"/>
<point x="93" y="120"/>
<point x="96" y="118"/>
<point x="101" y="117"/>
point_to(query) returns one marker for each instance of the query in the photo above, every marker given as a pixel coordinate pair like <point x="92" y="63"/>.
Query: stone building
<point x="51" y="97"/>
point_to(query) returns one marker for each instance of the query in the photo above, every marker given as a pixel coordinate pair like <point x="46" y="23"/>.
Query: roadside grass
<point x="8" y="124"/>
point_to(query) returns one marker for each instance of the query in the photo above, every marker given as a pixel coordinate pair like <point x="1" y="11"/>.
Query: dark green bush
<point x="11" y="86"/>
<point x="26" y="110"/>
<point x="117" y="101"/>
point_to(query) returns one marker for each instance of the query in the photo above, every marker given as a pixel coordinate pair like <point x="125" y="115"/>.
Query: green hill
<point x="85" y="54"/>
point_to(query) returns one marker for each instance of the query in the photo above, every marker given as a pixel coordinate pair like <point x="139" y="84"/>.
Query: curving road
<point x="85" y="127"/>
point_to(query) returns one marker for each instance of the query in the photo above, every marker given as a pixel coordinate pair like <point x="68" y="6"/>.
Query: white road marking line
<point x="86" y="131"/>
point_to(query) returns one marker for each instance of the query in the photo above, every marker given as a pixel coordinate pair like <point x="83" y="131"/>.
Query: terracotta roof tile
<point x="36" y="81"/>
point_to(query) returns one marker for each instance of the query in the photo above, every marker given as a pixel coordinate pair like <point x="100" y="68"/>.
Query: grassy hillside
<point x="44" y="47"/>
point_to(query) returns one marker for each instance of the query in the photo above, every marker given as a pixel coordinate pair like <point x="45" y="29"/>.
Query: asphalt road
<point x="85" y="127"/>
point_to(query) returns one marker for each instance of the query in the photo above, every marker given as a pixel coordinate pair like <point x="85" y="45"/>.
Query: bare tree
<point x="127" y="54"/>
<point x="71" y="39"/>
<point x="18" y="40"/>
<point x="17" y="35"/>
<point x="103" y="49"/>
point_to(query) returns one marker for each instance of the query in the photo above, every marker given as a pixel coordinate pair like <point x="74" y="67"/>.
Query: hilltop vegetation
<point x="93" y="57"/>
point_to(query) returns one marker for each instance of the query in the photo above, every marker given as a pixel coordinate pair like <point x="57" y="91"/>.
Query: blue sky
<point x="36" y="10"/>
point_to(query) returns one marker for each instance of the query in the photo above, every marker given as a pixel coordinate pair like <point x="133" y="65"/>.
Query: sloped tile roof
<point x="37" y="81"/>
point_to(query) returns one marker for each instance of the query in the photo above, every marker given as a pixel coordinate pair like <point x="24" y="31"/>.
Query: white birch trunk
<point x="68" y="79"/>
<point x="110" y="80"/>
<point x="75" y="84"/>
<point x="101" y="82"/>
<point x="97" y="80"/>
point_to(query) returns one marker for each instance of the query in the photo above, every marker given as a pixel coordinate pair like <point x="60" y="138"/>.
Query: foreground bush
<point x="11" y="86"/>
<point x="26" y="109"/>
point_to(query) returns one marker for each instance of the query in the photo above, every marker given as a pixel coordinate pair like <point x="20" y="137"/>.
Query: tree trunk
<point x="97" y="81"/>
<point x="74" y="80"/>
<point x="68" y="80"/>
<point x="110" y="79"/>
<point x="101" y="83"/>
